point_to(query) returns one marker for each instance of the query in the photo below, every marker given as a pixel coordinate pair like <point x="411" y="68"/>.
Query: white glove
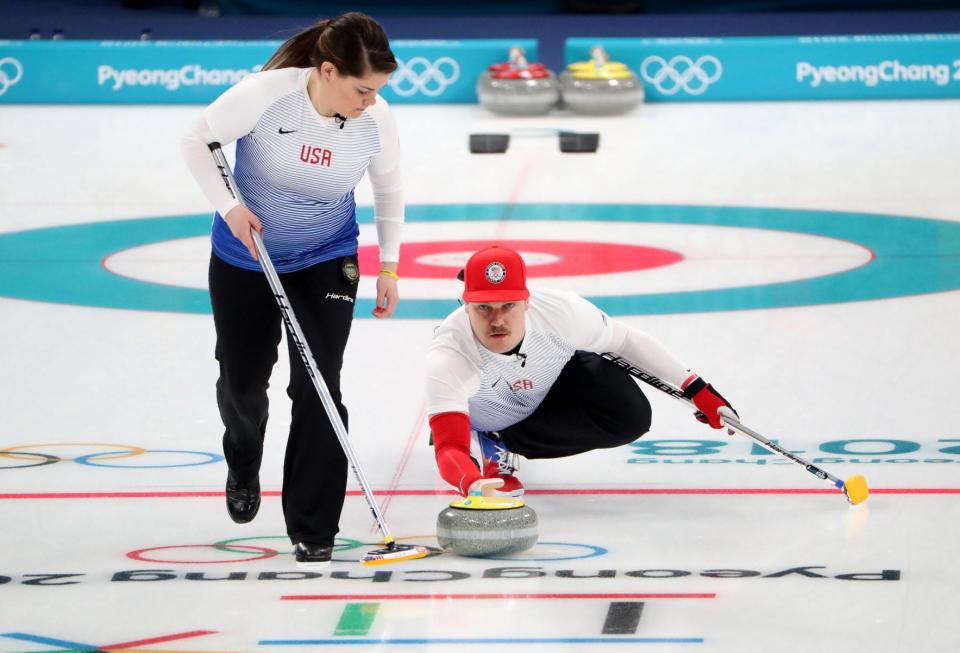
<point x="484" y="487"/>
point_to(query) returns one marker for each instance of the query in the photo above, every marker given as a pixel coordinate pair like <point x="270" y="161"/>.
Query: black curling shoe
<point x="243" y="499"/>
<point x="312" y="556"/>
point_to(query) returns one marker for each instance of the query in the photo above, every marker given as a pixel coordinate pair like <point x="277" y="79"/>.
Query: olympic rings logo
<point x="11" y="71"/>
<point x="247" y="552"/>
<point x="420" y="75"/>
<point x="548" y="552"/>
<point x="35" y="455"/>
<point x="244" y="551"/>
<point x="681" y="73"/>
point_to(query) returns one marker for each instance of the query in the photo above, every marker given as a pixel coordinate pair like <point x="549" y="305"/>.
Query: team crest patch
<point x="350" y="270"/>
<point x="495" y="272"/>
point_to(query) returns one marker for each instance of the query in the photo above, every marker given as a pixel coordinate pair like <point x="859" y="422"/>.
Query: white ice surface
<point x="81" y="380"/>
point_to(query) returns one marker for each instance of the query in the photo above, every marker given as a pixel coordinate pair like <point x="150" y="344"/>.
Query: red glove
<point x="451" y="443"/>
<point x="711" y="405"/>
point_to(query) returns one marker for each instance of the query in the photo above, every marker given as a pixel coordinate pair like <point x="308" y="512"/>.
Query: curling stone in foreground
<point x="518" y="88"/>
<point x="600" y="87"/>
<point x="482" y="526"/>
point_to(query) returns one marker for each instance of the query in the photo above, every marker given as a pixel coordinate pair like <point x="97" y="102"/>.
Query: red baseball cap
<point x="495" y="274"/>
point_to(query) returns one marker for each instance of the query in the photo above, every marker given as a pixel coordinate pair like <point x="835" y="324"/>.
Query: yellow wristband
<point x="390" y="273"/>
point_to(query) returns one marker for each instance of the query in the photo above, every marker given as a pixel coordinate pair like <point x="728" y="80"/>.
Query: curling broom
<point x="854" y="488"/>
<point x="391" y="551"/>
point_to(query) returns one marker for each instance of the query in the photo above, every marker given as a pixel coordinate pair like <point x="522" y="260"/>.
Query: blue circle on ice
<point x="911" y="256"/>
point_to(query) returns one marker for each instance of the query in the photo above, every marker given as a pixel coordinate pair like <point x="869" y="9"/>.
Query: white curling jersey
<point x="297" y="171"/>
<point x="499" y="390"/>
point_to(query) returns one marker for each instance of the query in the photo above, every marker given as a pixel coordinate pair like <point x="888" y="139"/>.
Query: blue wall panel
<point x="788" y="68"/>
<point x="186" y="72"/>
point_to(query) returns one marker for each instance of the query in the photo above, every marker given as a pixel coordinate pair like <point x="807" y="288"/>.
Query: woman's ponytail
<point x="355" y="43"/>
<point x="298" y="51"/>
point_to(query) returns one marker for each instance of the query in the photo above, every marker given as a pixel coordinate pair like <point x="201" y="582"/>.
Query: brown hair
<point x="355" y="43"/>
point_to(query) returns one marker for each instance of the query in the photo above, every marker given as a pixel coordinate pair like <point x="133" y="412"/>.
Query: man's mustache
<point x="499" y="332"/>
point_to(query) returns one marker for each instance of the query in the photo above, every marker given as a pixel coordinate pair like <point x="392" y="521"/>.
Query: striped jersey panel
<point x="297" y="172"/>
<point x="512" y="387"/>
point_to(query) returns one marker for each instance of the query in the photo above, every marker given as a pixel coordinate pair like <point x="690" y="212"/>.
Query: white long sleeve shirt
<point x="499" y="390"/>
<point x="297" y="171"/>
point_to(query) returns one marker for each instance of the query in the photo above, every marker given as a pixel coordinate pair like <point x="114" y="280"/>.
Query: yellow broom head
<point x="856" y="489"/>
<point x="393" y="552"/>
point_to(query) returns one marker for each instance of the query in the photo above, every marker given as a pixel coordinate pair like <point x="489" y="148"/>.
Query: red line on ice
<point x="388" y="597"/>
<point x="443" y="492"/>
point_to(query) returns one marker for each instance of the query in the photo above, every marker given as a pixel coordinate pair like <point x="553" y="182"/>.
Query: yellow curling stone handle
<point x="487" y="503"/>
<point x="593" y="70"/>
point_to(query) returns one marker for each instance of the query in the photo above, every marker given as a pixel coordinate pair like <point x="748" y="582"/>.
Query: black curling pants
<point x="248" y="322"/>
<point x="593" y="404"/>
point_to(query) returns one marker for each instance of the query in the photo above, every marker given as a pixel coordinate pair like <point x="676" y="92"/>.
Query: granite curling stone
<point x="517" y="87"/>
<point x="483" y="526"/>
<point x="600" y="87"/>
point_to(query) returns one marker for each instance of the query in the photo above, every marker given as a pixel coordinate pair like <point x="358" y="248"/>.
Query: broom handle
<point x="665" y="387"/>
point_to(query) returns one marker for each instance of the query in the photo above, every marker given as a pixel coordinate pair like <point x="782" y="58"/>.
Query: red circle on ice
<point x="544" y="258"/>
